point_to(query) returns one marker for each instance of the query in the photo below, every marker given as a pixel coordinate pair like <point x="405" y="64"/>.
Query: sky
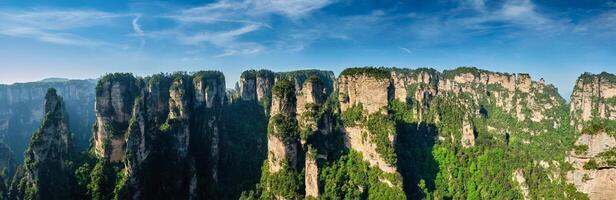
<point x="553" y="39"/>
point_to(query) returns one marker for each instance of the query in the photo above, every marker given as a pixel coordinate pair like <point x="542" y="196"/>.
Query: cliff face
<point x="594" y="97"/>
<point x="315" y="122"/>
<point x="461" y="108"/>
<point x="368" y="129"/>
<point x="45" y="173"/>
<point x="373" y="133"/>
<point x="515" y="94"/>
<point x="283" y="133"/>
<point x="478" y="94"/>
<point x="164" y="125"/>
<point x="22" y="108"/>
<point x="256" y="85"/>
<point x="593" y="109"/>
<point x="115" y="94"/>
<point x="371" y="92"/>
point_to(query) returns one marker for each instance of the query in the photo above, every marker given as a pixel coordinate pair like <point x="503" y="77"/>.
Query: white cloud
<point x="508" y="20"/>
<point x="138" y="31"/>
<point x="239" y="11"/>
<point x="601" y="25"/>
<point x="218" y="38"/>
<point x="406" y="50"/>
<point x="54" y="38"/>
<point x="290" y="8"/>
<point x="54" y="26"/>
<point x="136" y="27"/>
<point x="224" y="23"/>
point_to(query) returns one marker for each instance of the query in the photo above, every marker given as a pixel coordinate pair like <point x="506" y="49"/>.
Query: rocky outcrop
<point x="179" y="115"/>
<point x="415" y="87"/>
<point x="372" y="92"/>
<point x="22" y="109"/>
<point x="518" y="177"/>
<point x="172" y="129"/>
<point x="248" y="88"/>
<point x="371" y="89"/>
<point x="471" y="90"/>
<point x="594" y="97"/>
<point x="596" y="179"/>
<point x="592" y="115"/>
<point x="115" y="94"/>
<point x="354" y="139"/>
<point x="256" y="85"/>
<point x="311" y="177"/>
<point x="468" y="133"/>
<point x="46" y="174"/>
<point x="209" y="101"/>
<point x="404" y="79"/>
<point x="514" y="94"/>
<point x="309" y="99"/>
<point x="283" y="133"/>
<point x="164" y="133"/>
<point x="312" y="88"/>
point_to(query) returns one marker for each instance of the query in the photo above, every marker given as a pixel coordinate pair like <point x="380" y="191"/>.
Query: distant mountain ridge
<point x="21" y="110"/>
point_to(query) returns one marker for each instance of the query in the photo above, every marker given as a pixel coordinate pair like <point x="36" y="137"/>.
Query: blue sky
<point x="554" y="39"/>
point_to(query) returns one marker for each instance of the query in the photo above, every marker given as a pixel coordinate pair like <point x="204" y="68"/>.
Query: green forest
<point x="212" y="142"/>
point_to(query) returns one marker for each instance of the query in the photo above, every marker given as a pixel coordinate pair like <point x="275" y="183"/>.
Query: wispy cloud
<point x="54" y="26"/>
<point x="240" y="11"/>
<point x="290" y="8"/>
<point x="136" y="27"/>
<point x="352" y="28"/>
<point x="224" y="23"/>
<point x="405" y="50"/>
<point x="509" y="19"/>
<point x="138" y="31"/>
<point x="601" y="25"/>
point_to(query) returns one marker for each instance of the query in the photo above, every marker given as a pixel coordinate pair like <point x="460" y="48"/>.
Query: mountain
<point x="45" y="173"/>
<point x="593" y="115"/>
<point x="370" y="133"/>
<point x="22" y="109"/>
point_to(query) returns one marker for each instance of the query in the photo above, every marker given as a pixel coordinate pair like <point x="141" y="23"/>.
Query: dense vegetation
<point x="379" y="73"/>
<point x="243" y="149"/>
<point x="419" y="136"/>
<point x="284" y="127"/>
<point x="284" y="89"/>
<point x="250" y="74"/>
<point x="349" y="177"/>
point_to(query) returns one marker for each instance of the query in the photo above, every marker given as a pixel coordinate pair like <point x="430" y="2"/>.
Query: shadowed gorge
<point x="370" y="133"/>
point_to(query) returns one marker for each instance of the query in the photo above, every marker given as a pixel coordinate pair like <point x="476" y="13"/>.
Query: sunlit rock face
<point x="594" y="96"/>
<point x="256" y="85"/>
<point x="115" y="94"/>
<point x="283" y="135"/>
<point x="22" y="109"/>
<point x="593" y="111"/>
<point x="516" y="94"/>
<point x="372" y="90"/>
<point x="596" y="181"/>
